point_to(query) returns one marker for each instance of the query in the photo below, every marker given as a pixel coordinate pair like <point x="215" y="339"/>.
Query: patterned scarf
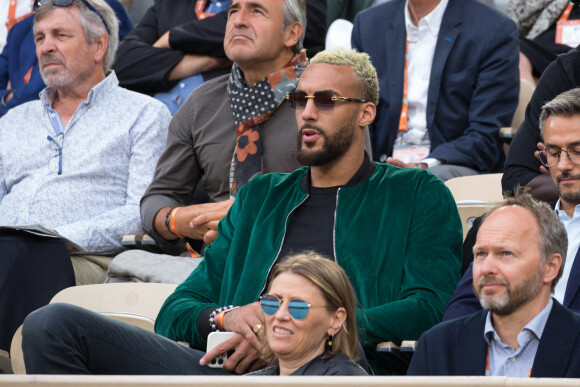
<point x="251" y="106"/>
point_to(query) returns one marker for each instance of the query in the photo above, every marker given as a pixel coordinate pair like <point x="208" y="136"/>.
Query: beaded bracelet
<point x="212" y="317"/>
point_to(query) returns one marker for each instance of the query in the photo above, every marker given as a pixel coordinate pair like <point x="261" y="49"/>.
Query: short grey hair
<point x="92" y="25"/>
<point x="566" y="104"/>
<point x="295" y="11"/>
<point x="552" y="238"/>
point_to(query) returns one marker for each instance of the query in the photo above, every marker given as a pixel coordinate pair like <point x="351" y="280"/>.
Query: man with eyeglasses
<point x="560" y="129"/>
<point x="396" y="233"/>
<point x="75" y="162"/>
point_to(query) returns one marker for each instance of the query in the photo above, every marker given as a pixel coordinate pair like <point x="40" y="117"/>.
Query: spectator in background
<point x="442" y="109"/>
<point x="11" y="12"/>
<point x="230" y="129"/>
<point x="20" y="80"/>
<point x="176" y="47"/>
<point x="339" y="17"/>
<point x="345" y="9"/>
<point x="522" y="166"/>
<point x="540" y="43"/>
<point x="76" y="162"/>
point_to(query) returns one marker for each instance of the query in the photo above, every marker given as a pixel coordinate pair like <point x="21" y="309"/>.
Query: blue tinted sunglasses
<point x="67" y="3"/>
<point x="298" y="309"/>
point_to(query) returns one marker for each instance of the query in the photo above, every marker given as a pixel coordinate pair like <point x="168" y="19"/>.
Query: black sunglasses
<point x="67" y="3"/>
<point x="324" y="100"/>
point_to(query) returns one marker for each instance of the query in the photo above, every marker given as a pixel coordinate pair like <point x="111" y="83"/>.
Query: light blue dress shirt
<point x="503" y="359"/>
<point x="573" y="231"/>
<point x="106" y="156"/>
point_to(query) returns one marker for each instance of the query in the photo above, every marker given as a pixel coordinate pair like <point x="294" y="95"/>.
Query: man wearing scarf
<point x="233" y="127"/>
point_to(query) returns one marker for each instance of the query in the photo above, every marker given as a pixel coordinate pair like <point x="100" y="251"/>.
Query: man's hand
<point x="542" y="187"/>
<point x="194" y="221"/>
<point x="210" y="218"/>
<point x="244" y="359"/>
<point x="8" y="96"/>
<point x="540" y="146"/>
<point x="245" y="343"/>
<point x="400" y="164"/>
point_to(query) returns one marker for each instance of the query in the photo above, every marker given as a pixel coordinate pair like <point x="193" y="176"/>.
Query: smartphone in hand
<point x="213" y="340"/>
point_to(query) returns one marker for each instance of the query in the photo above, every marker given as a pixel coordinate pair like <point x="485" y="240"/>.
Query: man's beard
<point x="570" y="197"/>
<point x="63" y="76"/>
<point x="512" y="299"/>
<point x="334" y="145"/>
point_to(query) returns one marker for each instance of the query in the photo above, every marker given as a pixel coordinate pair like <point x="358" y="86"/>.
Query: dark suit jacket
<point x="464" y="302"/>
<point x="457" y="347"/>
<point x="474" y="84"/>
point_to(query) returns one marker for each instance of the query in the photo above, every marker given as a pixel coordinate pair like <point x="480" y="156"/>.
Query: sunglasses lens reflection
<point x="323" y="101"/>
<point x="298" y="309"/>
<point x="270" y="304"/>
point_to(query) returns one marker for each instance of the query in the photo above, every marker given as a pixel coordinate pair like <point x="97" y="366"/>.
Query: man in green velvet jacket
<point x="396" y="232"/>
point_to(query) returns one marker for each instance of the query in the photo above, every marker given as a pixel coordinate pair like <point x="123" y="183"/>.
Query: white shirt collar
<point x="432" y="20"/>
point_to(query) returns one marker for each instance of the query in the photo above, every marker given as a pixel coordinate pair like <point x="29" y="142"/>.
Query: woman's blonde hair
<point x="337" y="291"/>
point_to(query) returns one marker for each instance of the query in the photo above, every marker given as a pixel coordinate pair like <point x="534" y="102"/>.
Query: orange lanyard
<point x="487" y="365"/>
<point x="28" y="75"/>
<point x="405" y="106"/>
<point x="12" y="13"/>
<point x="566" y="13"/>
<point x="199" y="7"/>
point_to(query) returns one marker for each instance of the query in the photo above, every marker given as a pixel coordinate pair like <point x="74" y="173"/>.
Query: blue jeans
<point x="67" y="339"/>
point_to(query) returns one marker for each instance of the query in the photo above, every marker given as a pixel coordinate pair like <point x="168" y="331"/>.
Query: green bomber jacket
<point x="397" y="234"/>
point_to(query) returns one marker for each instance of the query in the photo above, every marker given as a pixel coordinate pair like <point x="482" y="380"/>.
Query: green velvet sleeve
<point x="177" y="318"/>
<point x="431" y="262"/>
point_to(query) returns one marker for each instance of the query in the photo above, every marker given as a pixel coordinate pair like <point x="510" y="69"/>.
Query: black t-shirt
<point x="312" y="225"/>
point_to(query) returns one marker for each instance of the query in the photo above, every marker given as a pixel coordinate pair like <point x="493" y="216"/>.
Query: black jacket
<point x="339" y="364"/>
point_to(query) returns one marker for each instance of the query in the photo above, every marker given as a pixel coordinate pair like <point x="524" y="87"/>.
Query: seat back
<point x="526" y="91"/>
<point x="135" y="303"/>
<point x="143" y="299"/>
<point x="474" y="195"/>
<point x="476" y="189"/>
<point x="506" y="134"/>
